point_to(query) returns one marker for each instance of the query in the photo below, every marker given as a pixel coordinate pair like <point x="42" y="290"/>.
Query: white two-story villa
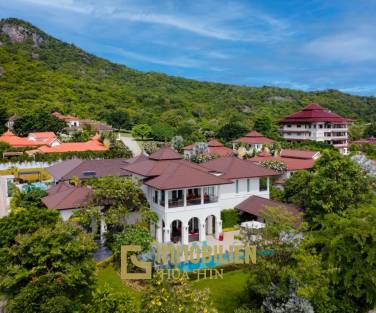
<point x="188" y="198"/>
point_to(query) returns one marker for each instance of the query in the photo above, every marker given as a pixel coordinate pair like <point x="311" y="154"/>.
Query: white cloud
<point x="344" y="47"/>
<point x="209" y="22"/>
<point x="182" y="61"/>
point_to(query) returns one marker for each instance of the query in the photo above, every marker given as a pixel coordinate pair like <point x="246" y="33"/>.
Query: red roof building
<point x="253" y="141"/>
<point x="92" y="145"/>
<point x="64" y="196"/>
<point x="317" y="124"/>
<point x="19" y="142"/>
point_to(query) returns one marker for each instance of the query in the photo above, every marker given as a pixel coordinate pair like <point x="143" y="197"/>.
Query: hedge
<point x="229" y="218"/>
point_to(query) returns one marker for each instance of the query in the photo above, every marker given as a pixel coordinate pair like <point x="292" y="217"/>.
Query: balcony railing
<point x="175" y="203"/>
<point x="210" y="199"/>
<point x="194" y="201"/>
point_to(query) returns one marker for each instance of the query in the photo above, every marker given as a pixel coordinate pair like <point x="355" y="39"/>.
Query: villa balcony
<point x="180" y="198"/>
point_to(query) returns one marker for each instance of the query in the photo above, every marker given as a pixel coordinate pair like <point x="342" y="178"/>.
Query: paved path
<point x="131" y="144"/>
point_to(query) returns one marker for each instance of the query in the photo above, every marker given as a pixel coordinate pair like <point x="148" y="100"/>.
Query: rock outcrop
<point x="18" y="34"/>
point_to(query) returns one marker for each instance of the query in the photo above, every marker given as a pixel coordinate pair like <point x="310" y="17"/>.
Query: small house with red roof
<point x="188" y="197"/>
<point x="294" y="160"/>
<point x="47" y="142"/>
<point x="213" y="147"/>
<point x="251" y="142"/>
<point x="317" y="124"/>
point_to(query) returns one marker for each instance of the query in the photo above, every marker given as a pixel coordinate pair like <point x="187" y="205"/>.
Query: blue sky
<point x="300" y="44"/>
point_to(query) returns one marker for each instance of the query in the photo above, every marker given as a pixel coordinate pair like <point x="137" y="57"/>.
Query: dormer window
<point x="89" y="173"/>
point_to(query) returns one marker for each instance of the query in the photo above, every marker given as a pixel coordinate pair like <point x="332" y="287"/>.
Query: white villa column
<point x="165" y="199"/>
<point x="202" y="233"/>
<point x="158" y="231"/>
<point x="103" y="230"/>
<point x="185" y="196"/>
<point x="218" y="227"/>
<point x="209" y="226"/>
<point x="202" y="196"/>
<point x="167" y="234"/>
<point x="184" y="230"/>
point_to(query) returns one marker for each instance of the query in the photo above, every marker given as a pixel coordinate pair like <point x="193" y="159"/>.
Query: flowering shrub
<point x="201" y="158"/>
<point x="277" y="166"/>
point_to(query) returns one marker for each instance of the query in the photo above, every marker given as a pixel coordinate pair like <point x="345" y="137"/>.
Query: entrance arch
<point x="194" y="229"/>
<point x="176" y="231"/>
<point x="210" y="224"/>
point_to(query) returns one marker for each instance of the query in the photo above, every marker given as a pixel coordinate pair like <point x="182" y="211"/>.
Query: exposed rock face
<point x="1" y="71"/>
<point x="34" y="56"/>
<point x="18" y="34"/>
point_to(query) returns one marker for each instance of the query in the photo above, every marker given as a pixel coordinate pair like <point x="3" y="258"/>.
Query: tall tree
<point x="141" y="131"/>
<point x="53" y="265"/>
<point x="38" y="122"/>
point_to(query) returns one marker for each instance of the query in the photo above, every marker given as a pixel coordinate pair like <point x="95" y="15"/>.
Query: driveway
<point x="131" y="144"/>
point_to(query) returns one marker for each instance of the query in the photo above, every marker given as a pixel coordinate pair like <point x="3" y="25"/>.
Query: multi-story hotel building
<point x="318" y="124"/>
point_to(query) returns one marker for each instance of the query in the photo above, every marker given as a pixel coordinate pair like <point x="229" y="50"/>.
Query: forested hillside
<point x="39" y="72"/>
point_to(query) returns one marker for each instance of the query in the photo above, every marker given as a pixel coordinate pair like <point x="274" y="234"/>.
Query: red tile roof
<point x="43" y="137"/>
<point x="292" y="164"/>
<point x="234" y="168"/>
<point x="299" y="154"/>
<point x="64" y="196"/>
<point x="254" y="137"/>
<point x="91" y="145"/>
<point x="214" y="147"/>
<point x="88" y="168"/>
<point x="314" y="113"/>
<point x="256" y="205"/>
<point x="182" y="175"/>
<point x="215" y="143"/>
<point x="165" y="153"/>
<point x="16" y="141"/>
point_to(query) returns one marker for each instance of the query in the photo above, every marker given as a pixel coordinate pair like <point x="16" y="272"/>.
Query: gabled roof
<point x="43" y="137"/>
<point x="256" y="205"/>
<point x="91" y="145"/>
<point x="88" y="168"/>
<point x="181" y="175"/>
<point x="66" y="196"/>
<point x="314" y="113"/>
<point x="165" y="153"/>
<point x="254" y="137"/>
<point x="215" y="143"/>
<point x="16" y="141"/>
<point x="234" y="168"/>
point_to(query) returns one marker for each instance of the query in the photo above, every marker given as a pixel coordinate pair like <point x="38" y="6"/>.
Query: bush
<point x="229" y="218"/>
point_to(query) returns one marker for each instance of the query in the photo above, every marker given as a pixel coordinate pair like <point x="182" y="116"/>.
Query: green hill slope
<point x="39" y="72"/>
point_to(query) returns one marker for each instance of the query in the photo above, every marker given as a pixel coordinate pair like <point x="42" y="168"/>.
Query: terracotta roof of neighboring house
<point x="43" y="137"/>
<point x="293" y="164"/>
<point x="299" y="154"/>
<point x="215" y="143"/>
<point x="369" y="141"/>
<point x="214" y="147"/>
<point x="165" y="153"/>
<point x="88" y="168"/>
<point x="256" y="205"/>
<point x="233" y="168"/>
<point x="65" y="197"/>
<point x="16" y="141"/>
<point x="314" y="113"/>
<point x="65" y="117"/>
<point x="91" y="145"/>
<point x="254" y="137"/>
<point x="221" y="151"/>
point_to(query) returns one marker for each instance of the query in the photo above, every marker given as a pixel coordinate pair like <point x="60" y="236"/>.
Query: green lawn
<point x="225" y="292"/>
<point x="108" y="276"/>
